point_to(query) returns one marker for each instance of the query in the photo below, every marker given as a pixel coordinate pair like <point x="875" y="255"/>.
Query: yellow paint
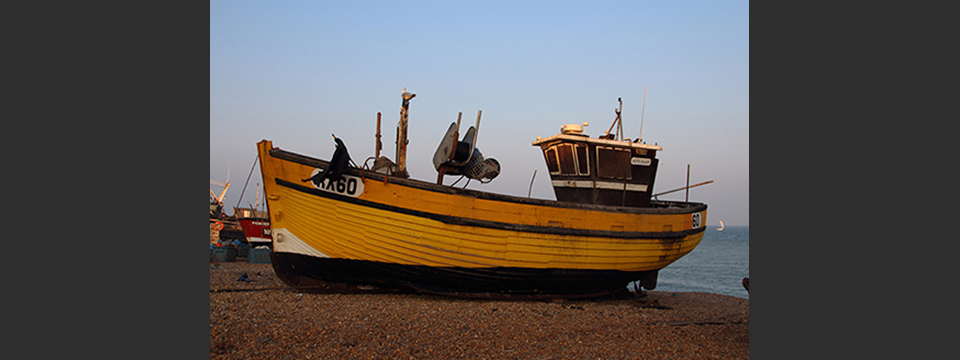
<point x="350" y="231"/>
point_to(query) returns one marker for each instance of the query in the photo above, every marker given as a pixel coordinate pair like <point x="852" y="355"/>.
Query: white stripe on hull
<point x="598" y="185"/>
<point x="286" y="241"/>
<point x="259" y="240"/>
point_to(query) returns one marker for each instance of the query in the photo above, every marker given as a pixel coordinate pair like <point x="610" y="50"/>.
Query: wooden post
<point x="379" y="143"/>
<point x="402" y="137"/>
<point x="477" y="129"/>
<point x="531" y="182"/>
<point x="402" y="134"/>
<point x="456" y="139"/>
<point x="620" y="120"/>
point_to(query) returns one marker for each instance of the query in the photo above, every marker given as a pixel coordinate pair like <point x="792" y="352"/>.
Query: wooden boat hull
<point x="255" y="224"/>
<point x="257" y="231"/>
<point x="373" y="229"/>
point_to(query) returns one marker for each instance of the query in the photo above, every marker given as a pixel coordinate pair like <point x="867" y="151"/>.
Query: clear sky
<point x="295" y="72"/>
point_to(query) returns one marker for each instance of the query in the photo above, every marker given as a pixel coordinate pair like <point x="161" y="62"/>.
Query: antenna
<point x="640" y="139"/>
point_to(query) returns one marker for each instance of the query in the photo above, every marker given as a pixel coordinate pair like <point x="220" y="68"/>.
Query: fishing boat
<point x="254" y="219"/>
<point x="337" y="226"/>
<point x="256" y="226"/>
<point x="223" y="228"/>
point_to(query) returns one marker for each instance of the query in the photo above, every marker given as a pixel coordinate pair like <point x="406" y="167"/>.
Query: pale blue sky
<point x="297" y="71"/>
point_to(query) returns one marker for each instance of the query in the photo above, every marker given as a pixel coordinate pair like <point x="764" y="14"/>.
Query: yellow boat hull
<point x="385" y="231"/>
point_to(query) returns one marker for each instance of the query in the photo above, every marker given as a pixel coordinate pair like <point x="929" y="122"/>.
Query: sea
<point x="718" y="265"/>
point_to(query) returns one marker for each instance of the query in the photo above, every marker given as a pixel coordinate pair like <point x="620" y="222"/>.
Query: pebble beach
<point x="259" y="317"/>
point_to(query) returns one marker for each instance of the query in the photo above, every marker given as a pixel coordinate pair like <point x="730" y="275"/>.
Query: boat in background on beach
<point x="721" y="226"/>
<point x="223" y="228"/>
<point x="256" y="226"/>
<point x="254" y="219"/>
<point x="341" y="227"/>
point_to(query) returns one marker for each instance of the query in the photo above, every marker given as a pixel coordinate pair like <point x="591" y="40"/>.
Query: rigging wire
<point x="255" y="161"/>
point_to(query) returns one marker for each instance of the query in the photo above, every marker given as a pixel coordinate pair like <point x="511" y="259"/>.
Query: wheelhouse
<point x="599" y="170"/>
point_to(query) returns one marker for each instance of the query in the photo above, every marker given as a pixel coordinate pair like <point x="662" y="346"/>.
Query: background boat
<point x="223" y="228"/>
<point x="256" y="226"/>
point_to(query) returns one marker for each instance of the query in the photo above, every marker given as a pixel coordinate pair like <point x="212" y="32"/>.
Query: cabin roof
<point x="596" y="141"/>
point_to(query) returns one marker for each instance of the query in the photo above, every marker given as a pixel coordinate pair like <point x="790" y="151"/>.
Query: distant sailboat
<point x="721" y="226"/>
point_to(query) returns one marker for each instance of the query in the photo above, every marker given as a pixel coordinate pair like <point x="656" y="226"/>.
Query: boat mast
<point x="402" y="134"/>
<point x="225" y="185"/>
<point x="617" y="122"/>
<point x="256" y="202"/>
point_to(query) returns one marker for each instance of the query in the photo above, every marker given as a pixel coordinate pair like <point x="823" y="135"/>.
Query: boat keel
<point x="312" y="274"/>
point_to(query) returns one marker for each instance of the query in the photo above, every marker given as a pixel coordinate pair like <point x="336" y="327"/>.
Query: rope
<point x="248" y="179"/>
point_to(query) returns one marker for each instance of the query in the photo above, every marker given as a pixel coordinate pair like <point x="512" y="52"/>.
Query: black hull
<point x="308" y="273"/>
<point x="226" y="235"/>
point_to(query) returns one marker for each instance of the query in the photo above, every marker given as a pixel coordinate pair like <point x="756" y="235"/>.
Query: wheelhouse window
<point x="568" y="159"/>
<point x="613" y="163"/>
<point x="552" y="165"/>
<point x="568" y="162"/>
<point x="583" y="161"/>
